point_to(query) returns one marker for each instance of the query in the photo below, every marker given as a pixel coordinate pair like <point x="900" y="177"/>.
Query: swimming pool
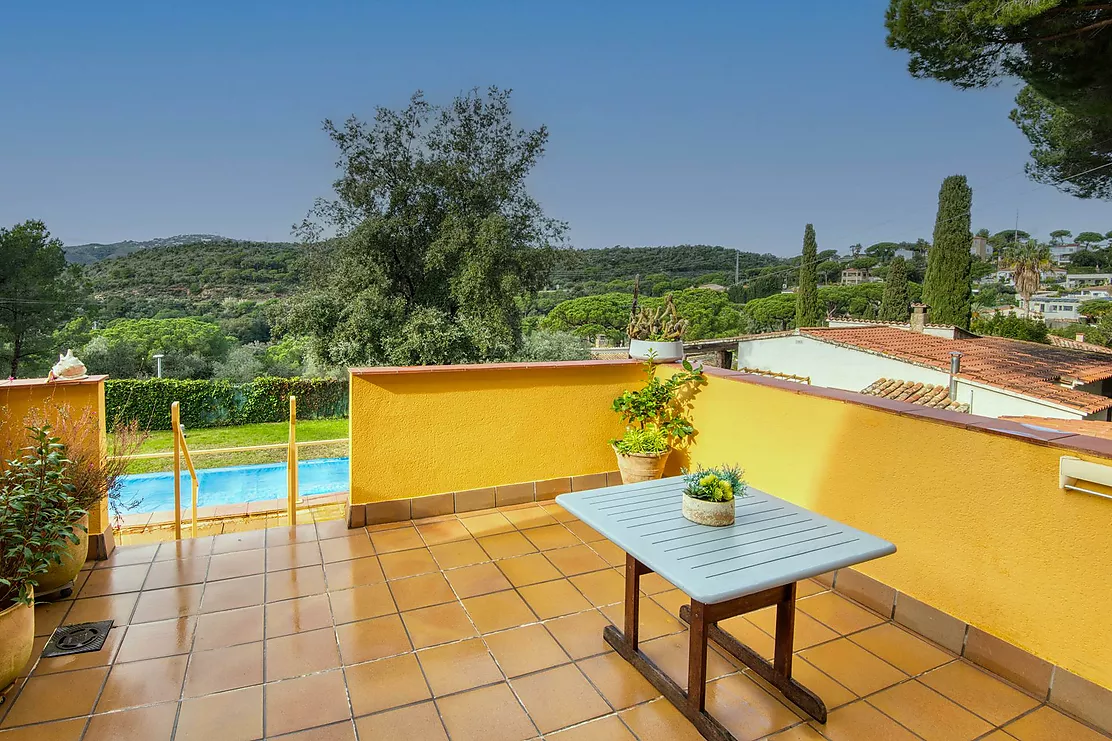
<point x="235" y="484"/>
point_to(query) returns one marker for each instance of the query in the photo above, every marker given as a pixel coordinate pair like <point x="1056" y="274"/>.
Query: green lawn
<point x="242" y="435"/>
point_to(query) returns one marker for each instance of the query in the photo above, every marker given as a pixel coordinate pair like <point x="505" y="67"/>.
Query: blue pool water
<point x="235" y="484"/>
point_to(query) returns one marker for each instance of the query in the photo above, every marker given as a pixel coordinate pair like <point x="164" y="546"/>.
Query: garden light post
<point x="158" y="364"/>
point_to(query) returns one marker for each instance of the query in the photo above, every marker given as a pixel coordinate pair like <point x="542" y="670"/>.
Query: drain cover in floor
<point x="79" y="638"/>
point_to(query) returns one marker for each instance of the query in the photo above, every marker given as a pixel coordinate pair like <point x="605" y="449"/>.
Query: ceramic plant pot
<point x="636" y="467"/>
<point x="74" y="555"/>
<point x="17" y="637"/>
<point x="716" y="514"/>
<point x="658" y="352"/>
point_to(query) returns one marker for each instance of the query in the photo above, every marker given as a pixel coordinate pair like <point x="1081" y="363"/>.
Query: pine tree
<point x="896" y="304"/>
<point x="947" y="287"/>
<point x="808" y="311"/>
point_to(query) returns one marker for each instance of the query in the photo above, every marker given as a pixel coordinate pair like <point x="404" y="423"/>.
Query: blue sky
<point x="730" y="123"/>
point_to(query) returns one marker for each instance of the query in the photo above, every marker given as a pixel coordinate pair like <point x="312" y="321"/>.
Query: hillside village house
<point x="1079" y="280"/>
<point x="854" y="277"/>
<point x="1061" y="254"/>
<point x="995" y="377"/>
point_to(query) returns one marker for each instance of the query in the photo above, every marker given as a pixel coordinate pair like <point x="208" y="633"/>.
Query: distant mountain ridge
<point x="85" y="254"/>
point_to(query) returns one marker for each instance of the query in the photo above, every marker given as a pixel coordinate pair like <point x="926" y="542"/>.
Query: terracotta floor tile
<point x="49" y="615"/>
<point x="671" y="600"/>
<point x="610" y="728"/>
<point x="59" y="730"/>
<point x="746" y="709"/>
<point x="552" y="536"/>
<point x="142" y="683"/>
<point x="347" y="548"/>
<point x="229" y="628"/>
<point x="610" y="553"/>
<point x="116" y="580"/>
<point x="852" y="666"/>
<point x="558" y="698"/>
<point x="557" y="511"/>
<point x="979" y="691"/>
<point x="334" y="528"/>
<point x="413" y="562"/>
<point x="154" y="640"/>
<point x="280" y="536"/>
<point x="164" y="574"/>
<point x="168" y="604"/>
<point x="238" y="563"/>
<point x="529" y="517"/>
<point x="343" y="731"/>
<point x="901" y="649"/>
<point x="585" y="532"/>
<point x="830" y="692"/>
<point x="601" y="588"/>
<point x="483" y="525"/>
<point x="445" y="531"/>
<point x="471" y="581"/>
<point x="808" y="631"/>
<point x="293" y="556"/>
<point x="670" y="653"/>
<point x="862" y="722"/>
<point x="802" y="732"/>
<point x="807" y="587"/>
<point x="55" y="696"/>
<point x="228" y="716"/>
<point x="356" y="573"/>
<point x="361" y="603"/>
<point x="659" y="719"/>
<point x="652" y="583"/>
<point x="431" y="626"/>
<point x="486" y="714"/>
<point x="458" y="666"/>
<point x="929" y="714"/>
<point x="580" y="635"/>
<point x="617" y="680"/>
<point x="292" y="583"/>
<point x="229" y="594"/>
<point x="506" y="545"/>
<point x="413" y="722"/>
<point x="240" y="541"/>
<point x="579" y="559"/>
<point x="301" y="653"/>
<point x="1047" y="724"/>
<point x="458" y="553"/>
<point x="398" y="539"/>
<point x="839" y="613"/>
<point x="752" y="636"/>
<point x="298" y="615"/>
<point x="128" y="556"/>
<point x="224" y="669"/>
<point x="421" y="591"/>
<point x="305" y="702"/>
<point x="653" y="621"/>
<point x="385" y="684"/>
<point x="533" y="568"/>
<point x="554" y="598"/>
<point x="377" y="638"/>
<point x="524" y="650"/>
<point x="155" y="723"/>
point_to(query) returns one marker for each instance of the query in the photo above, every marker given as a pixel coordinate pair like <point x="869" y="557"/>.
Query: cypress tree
<point x="895" y="306"/>
<point x="808" y="311"/>
<point x="947" y="287"/>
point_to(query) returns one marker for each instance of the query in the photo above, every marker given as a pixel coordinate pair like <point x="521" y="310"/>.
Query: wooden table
<point x="726" y="571"/>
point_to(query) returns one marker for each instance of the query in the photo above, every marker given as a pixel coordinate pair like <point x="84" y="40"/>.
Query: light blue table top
<point x="771" y="543"/>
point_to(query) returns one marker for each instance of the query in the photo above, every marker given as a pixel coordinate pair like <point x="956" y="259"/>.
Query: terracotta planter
<point x="74" y="555"/>
<point x="716" y="514"/>
<point x="636" y="467"/>
<point x="17" y="638"/>
<point x="660" y="352"/>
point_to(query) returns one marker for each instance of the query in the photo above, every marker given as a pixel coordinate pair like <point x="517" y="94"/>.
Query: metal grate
<point x="78" y="638"/>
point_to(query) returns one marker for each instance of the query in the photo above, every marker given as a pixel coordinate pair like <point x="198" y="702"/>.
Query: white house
<point x="1061" y="254"/>
<point x="1077" y="280"/>
<point x="1061" y="309"/>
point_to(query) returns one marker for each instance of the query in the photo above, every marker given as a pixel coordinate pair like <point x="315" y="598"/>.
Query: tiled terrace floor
<point x="485" y="626"/>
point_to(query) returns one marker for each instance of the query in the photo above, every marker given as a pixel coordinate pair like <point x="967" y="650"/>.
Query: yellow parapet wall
<point x="982" y="529"/>
<point x="452" y="428"/>
<point x="24" y="399"/>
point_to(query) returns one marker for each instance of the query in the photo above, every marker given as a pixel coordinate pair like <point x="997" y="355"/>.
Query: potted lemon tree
<point x="656" y="421"/>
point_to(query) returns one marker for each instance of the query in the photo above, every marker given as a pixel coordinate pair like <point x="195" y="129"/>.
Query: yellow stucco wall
<point x="19" y="399"/>
<point x="983" y="532"/>
<point x="440" y="431"/>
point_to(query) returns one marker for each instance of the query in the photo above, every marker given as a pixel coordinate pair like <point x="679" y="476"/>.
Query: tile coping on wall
<point x="413" y="369"/>
<point x="15" y="382"/>
<point x="143" y="520"/>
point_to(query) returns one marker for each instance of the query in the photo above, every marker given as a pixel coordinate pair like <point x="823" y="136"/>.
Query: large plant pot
<point x="17" y="639"/>
<point x="74" y="555"/>
<point x="716" y="514"/>
<point x="658" y="352"/>
<point x="636" y="467"/>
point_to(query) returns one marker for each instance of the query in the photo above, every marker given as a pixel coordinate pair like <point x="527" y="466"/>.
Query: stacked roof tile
<point x="913" y="392"/>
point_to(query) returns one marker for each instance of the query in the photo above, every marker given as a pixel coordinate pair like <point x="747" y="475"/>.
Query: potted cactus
<point x="656" y="334"/>
<point x="709" y="494"/>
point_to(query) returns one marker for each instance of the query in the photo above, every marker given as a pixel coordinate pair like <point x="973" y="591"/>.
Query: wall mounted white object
<point x="1072" y="470"/>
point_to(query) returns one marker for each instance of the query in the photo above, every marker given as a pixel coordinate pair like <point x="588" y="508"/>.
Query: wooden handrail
<point x="182" y="448"/>
<point x="240" y="449"/>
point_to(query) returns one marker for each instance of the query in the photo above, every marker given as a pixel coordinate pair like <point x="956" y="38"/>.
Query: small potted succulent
<point x="655" y="422"/>
<point x="656" y="334"/>
<point x="709" y="494"/>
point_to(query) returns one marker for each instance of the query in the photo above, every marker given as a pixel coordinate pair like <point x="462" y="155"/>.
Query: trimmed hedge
<point x="221" y="403"/>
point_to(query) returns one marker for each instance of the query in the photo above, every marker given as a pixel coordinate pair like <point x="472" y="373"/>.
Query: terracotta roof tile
<point x="1090" y="427"/>
<point x="1028" y="368"/>
<point x="914" y="392"/>
<point x="1078" y="345"/>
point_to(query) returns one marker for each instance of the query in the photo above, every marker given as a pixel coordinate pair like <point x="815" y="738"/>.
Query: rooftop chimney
<point x="1080" y="337"/>
<point x="919" y="317"/>
<point x="955" y="368"/>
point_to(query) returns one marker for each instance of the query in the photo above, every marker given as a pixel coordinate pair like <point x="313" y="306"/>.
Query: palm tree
<point x="1027" y="260"/>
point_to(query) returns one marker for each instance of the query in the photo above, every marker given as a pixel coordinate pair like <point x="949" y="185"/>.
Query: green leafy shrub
<point x="649" y="440"/>
<point x="720" y="484"/>
<point x="662" y="404"/>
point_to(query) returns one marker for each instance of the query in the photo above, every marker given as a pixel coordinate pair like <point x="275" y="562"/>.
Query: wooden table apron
<point x="603" y="510"/>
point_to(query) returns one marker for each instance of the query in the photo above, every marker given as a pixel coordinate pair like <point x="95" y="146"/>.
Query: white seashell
<point x="69" y="367"/>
